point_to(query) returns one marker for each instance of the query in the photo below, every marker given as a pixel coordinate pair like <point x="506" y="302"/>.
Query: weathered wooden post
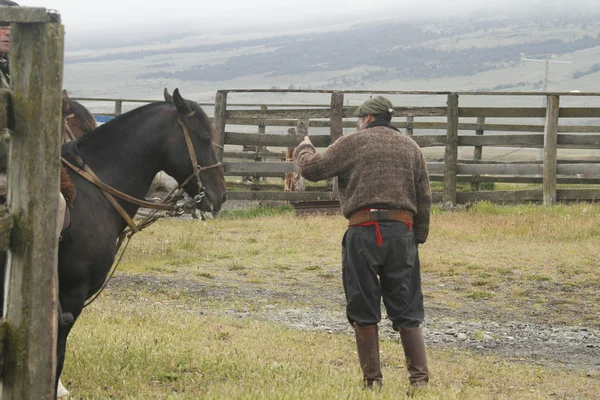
<point x="33" y="190"/>
<point x="301" y="129"/>
<point x="451" y="154"/>
<point x="477" y="153"/>
<point x="257" y="158"/>
<point x="551" y="150"/>
<point x="289" y="181"/>
<point x="220" y="120"/>
<point x="409" y="125"/>
<point x="337" y="128"/>
<point x="118" y="108"/>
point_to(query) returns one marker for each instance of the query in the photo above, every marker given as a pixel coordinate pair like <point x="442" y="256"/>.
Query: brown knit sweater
<point x="375" y="167"/>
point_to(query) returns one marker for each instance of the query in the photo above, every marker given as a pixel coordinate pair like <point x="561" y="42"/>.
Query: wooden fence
<point x="31" y="110"/>
<point x="461" y="126"/>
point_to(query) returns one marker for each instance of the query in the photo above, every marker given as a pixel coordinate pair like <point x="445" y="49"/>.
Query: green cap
<point x="378" y="105"/>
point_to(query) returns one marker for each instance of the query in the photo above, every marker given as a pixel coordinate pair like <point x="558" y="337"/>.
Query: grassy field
<point x="193" y="312"/>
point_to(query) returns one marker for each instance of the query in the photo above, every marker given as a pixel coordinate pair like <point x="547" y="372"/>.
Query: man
<point x="4" y="47"/>
<point x="385" y="194"/>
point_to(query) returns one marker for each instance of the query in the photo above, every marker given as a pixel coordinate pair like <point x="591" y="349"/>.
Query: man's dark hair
<point x="384" y="116"/>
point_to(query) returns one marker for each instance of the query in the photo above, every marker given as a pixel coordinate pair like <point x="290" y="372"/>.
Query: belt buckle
<point x="377" y="212"/>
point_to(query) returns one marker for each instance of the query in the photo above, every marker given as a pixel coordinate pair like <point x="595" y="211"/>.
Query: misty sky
<point x="229" y="14"/>
<point x="85" y="19"/>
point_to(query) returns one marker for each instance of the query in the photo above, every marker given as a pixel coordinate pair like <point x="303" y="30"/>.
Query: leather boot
<point x="416" y="358"/>
<point x="367" y="344"/>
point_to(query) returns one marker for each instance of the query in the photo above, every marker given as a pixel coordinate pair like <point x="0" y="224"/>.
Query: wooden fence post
<point x="337" y="128"/>
<point x="409" y="125"/>
<point x="477" y="153"/>
<point x="220" y="120"/>
<point x="33" y="190"/>
<point x="261" y="130"/>
<point x="289" y="183"/>
<point x="550" y="150"/>
<point x="118" y="108"/>
<point x="451" y="154"/>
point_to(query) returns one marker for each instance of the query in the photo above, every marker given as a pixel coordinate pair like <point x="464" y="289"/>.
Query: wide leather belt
<point x="377" y="214"/>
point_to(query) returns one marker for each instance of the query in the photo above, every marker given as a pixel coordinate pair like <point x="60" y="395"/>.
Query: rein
<point x="68" y="128"/>
<point x="169" y="204"/>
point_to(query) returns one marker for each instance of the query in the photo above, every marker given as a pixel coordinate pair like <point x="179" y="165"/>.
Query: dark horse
<point x="126" y="153"/>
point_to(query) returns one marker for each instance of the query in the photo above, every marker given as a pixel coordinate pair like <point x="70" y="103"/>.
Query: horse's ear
<point x="168" y="96"/>
<point x="66" y="107"/>
<point x="180" y="103"/>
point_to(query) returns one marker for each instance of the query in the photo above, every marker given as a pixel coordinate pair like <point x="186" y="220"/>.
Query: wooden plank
<point x="6" y="226"/>
<point x="430" y="140"/>
<point x="414" y="92"/>
<point x="409" y="125"/>
<point x="573" y="94"/>
<point x="337" y="130"/>
<point x="303" y="113"/>
<point x="262" y="175"/>
<point x="502" y="140"/>
<point x="436" y="167"/>
<point x="585" y="141"/>
<point x="477" y="150"/>
<point x="4" y="102"/>
<point x="551" y="150"/>
<point x="118" y="107"/>
<point x="501" y="127"/>
<point x="253" y="156"/>
<point x="274" y="140"/>
<point x="579" y="128"/>
<point x="500" y="196"/>
<point x="2" y="336"/>
<point x="249" y="168"/>
<point x="220" y="119"/>
<point x="500" y="169"/>
<point x="578" y="194"/>
<point x="502" y="112"/>
<point x="279" y="196"/>
<point x="451" y="153"/>
<point x="524" y="196"/>
<point x="579" y="112"/>
<point x="407" y="112"/>
<point x="27" y="15"/>
<point x="518" y="179"/>
<point x="336" y="117"/>
<point x="578" y="169"/>
<point x="33" y="190"/>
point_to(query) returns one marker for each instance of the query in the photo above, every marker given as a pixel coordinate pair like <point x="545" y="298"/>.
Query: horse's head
<point x="76" y="119"/>
<point x="194" y="124"/>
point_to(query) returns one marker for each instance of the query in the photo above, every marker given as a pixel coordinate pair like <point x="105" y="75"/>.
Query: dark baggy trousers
<point x="391" y="270"/>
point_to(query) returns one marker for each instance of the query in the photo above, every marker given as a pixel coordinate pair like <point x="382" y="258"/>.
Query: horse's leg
<point x="61" y="391"/>
<point x="71" y="305"/>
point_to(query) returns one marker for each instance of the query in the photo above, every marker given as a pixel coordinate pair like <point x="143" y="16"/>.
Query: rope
<point x="114" y="269"/>
<point x="504" y="155"/>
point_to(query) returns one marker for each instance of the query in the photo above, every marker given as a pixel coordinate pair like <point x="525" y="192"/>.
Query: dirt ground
<point x="575" y="347"/>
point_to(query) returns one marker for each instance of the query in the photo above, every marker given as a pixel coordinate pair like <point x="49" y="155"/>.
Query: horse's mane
<point x="88" y="122"/>
<point x="103" y="131"/>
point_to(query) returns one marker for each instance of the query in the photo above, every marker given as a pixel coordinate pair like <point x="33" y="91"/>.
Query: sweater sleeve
<point x="320" y="166"/>
<point x="423" y="192"/>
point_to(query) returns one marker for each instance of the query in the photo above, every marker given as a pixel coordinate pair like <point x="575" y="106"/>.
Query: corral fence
<point x="31" y="112"/>
<point x="448" y="121"/>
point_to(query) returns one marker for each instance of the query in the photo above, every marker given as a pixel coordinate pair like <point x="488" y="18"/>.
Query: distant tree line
<point x="593" y="69"/>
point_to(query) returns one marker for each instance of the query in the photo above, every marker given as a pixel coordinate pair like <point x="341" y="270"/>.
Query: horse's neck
<point x="128" y="163"/>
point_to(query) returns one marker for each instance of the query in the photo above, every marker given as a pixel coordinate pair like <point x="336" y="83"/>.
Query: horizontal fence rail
<point x="451" y="128"/>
